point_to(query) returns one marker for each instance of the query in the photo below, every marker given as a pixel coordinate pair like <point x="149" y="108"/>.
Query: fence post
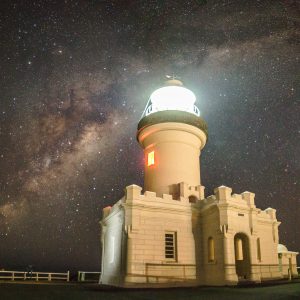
<point x="49" y="277"/>
<point x="13" y="276"/>
<point x="37" y="276"/>
<point x="24" y="275"/>
<point x="68" y="276"/>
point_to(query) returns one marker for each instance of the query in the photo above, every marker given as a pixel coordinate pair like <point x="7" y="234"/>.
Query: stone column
<point x="230" y="276"/>
<point x="255" y="274"/>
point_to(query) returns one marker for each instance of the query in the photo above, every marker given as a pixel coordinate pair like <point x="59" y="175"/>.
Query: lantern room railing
<point x="151" y="109"/>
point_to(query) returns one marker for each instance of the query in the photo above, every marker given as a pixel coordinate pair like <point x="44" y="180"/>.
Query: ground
<point x="74" y="291"/>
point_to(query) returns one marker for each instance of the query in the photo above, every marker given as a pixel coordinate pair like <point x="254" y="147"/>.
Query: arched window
<point x="211" y="249"/>
<point x="192" y="199"/>
<point x="258" y="249"/>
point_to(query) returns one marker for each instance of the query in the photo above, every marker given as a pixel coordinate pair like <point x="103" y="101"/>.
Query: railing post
<point x="49" y="277"/>
<point x="37" y="276"/>
<point x="13" y="276"/>
<point x="24" y="275"/>
<point x="68" y="276"/>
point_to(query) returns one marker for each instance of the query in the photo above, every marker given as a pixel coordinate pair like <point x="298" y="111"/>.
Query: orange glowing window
<point x="150" y="158"/>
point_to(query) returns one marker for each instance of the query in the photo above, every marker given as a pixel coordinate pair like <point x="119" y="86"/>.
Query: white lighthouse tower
<point x="169" y="233"/>
<point x="172" y="134"/>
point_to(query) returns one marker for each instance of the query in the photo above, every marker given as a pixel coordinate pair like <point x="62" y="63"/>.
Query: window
<point x="170" y="245"/>
<point x="150" y="161"/>
<point x="258" y="249"/>
<point x="211" y="249"/>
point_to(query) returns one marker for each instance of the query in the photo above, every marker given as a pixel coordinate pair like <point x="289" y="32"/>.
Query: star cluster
<point x="75" y="78"/>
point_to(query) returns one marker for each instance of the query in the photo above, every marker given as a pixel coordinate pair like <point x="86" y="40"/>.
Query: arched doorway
<point x="242" y="256"/>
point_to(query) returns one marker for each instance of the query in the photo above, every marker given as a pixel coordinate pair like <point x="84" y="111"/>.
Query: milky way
<point x="75" y="78"/>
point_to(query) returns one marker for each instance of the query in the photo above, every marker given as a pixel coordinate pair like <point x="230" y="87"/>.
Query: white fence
<point x="37" y="276"/>
<point x="88" y="276"/>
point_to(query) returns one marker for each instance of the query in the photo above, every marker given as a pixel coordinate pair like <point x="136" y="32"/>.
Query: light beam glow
<point x="172" y="98"/>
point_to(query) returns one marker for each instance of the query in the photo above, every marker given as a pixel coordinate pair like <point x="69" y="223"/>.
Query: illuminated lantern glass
<point x="150" y="158"/>
<point x="172" y="98"/>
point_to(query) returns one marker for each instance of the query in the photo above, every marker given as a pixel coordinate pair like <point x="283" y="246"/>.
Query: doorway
<point x="242" y="256"/>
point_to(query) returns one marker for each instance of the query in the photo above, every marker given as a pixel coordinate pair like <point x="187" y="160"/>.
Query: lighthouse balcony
<point x="152" y="109"/>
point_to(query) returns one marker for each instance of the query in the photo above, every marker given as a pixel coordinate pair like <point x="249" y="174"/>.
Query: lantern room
<point x="173" y="96"/>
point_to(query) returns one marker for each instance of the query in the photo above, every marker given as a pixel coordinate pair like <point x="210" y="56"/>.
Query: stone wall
<point x="134" y="231"/>
<point x="148" y="218"/>
<point x="238" y="216"/>
<point x="113" y="242"/>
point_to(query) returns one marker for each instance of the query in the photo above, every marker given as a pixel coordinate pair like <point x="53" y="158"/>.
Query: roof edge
<point x="176" y="116"/>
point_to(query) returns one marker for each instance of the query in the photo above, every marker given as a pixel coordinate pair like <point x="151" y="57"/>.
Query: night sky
<point x="75" y="78"/>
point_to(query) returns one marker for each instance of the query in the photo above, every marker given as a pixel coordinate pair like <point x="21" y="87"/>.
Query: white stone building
<point x="171" y="233"/>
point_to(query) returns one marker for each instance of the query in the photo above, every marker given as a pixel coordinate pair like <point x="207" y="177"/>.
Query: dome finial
<point x="173" y="80"/>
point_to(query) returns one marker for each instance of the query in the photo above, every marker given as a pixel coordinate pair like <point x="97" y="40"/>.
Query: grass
<point x="26" y="291"/>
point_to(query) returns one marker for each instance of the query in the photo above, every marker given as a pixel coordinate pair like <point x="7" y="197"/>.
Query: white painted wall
<point x="113" y="247"/>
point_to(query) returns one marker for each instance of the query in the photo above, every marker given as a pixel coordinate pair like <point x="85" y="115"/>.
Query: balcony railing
<point x="150" y="110"/>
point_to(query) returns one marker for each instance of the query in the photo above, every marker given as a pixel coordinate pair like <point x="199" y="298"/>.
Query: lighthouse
<point x="172" y="135"/>
<point x="168" y="233"/>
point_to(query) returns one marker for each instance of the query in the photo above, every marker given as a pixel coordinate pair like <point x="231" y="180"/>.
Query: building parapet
<point x="224" y="194"/>
<point x="134" y="195"/>
<point x="271" y="212"/>
<point x="186" y="191"/>
<point x="268" y="213"/>
<point x="134" y="192"/>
